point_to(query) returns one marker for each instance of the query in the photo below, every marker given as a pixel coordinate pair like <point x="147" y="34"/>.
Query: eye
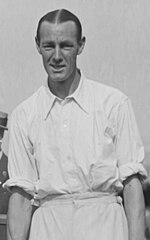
<point x="66" y="46"/>
<point x="48" y="47"/>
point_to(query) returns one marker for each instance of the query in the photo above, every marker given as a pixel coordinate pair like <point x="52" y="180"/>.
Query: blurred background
<point x="117" y="51"/>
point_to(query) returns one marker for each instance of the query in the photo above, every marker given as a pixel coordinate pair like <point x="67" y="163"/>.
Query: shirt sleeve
<point x="21" y="163"/>
<point x="129" y="147"/>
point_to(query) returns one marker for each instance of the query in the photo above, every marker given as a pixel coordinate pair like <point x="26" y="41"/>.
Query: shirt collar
<point x="49" y="101"/>
<point x="79" y="96"/>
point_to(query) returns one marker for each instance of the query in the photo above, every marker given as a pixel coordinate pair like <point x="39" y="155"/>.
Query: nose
<point x="57" y="57"/>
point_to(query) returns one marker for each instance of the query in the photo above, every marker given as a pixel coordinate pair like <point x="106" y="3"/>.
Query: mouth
<point x="57" y="68"/>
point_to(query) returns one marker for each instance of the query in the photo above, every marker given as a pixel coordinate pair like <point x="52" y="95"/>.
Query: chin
<point x="58" y="78"/>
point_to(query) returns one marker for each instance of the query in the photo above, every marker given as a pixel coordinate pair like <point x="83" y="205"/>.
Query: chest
<point x="71" y="133"/>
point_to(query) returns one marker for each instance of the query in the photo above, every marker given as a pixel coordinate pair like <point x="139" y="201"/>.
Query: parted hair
<point x="60" y="16"/>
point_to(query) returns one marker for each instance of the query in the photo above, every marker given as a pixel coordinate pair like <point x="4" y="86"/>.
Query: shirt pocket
<point x="106" y="135"/>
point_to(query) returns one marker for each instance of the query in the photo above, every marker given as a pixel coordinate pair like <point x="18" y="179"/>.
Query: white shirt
<point x="88" y="142"/>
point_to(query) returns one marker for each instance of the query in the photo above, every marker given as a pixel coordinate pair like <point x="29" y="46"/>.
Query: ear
<point x="81" y="45"/>
<point x="37" y="45"/>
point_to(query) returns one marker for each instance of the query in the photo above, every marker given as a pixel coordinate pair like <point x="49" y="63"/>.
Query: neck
<point x="67" y="87"/>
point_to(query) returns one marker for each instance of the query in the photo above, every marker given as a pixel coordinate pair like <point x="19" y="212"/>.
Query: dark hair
<point x="60" y="16"/>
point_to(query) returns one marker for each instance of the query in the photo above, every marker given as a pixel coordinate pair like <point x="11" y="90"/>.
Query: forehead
<point x="58" y="31"/>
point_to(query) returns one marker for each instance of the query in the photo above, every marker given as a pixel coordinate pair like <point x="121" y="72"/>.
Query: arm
<point x="134" y="208"/>
<point x="19" y="215"/>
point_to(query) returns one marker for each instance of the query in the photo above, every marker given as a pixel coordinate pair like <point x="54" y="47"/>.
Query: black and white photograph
<point x="74" y="120"/>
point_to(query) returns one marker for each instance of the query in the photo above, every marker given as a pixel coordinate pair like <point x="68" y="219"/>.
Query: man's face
<point x="59" y="49"/>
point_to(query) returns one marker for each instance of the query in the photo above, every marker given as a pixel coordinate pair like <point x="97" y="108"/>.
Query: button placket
<point x="65" y="135"/>
<point x="67" y="160"/>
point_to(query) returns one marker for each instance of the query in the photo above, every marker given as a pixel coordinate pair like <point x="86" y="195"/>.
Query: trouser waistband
<point x="104" y="198"/>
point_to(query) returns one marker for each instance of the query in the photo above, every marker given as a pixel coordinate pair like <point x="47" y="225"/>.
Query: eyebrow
<point x="64" y="42"/>
<point x="48" y="42"/>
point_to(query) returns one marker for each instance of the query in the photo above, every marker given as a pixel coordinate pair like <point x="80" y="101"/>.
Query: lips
<point x="57" y="67"/>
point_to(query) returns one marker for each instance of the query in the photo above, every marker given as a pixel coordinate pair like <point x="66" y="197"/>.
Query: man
<point x="74" y="146"/>
<point x="4" y="195"/>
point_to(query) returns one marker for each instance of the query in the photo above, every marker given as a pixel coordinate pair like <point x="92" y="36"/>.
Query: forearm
<point x="19" y="215"/>
<point x="134" y="208"/>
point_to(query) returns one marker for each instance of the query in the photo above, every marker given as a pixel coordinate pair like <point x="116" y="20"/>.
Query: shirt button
<point x="73" y="180"/>
<point x="65" y="125"/>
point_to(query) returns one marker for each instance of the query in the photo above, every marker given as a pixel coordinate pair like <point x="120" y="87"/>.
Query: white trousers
<point x="80" y="217"/>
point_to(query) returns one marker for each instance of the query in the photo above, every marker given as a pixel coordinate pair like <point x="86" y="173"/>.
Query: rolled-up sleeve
<point x="21" y="163"/>
<point x="129" y="147"/>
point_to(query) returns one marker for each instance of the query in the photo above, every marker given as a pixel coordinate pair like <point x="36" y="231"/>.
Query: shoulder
<point x="27" y="109"/>
<point x="106" y="96"/>
<point x="106" y="92"/>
